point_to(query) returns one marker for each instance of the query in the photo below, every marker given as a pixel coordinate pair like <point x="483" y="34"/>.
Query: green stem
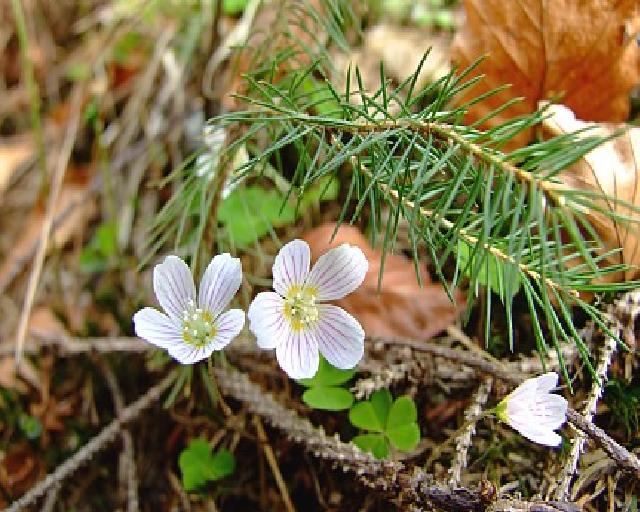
<point x="32" y="88"/>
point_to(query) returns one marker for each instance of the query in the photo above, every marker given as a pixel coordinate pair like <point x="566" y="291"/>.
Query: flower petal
<point x="173" y="284"/>
<point x="338" y="272"/>
<point x="537" y="433"/>
<point x="157" y="328"/>
<point x="291" y="266"/>
<point x="340" y="337"/>
<point x="189" y="354"/>
<point x="229" y="325"/>
<point x="220" y="282"/>
<point x="266" y="319"/>
<point x="297" y="354"/>
<point x="545" y="383"/>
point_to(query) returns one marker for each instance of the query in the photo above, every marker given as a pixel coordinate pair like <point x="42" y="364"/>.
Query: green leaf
<point x="103" y="247"/>
<point x="196" y="462"/>
<point x="492" y="276"/>
<point x="327" y="375"/>
<point x="233" y="7"/>
<point x="325" y="189"/>
<point x="321" y="99"/>
<point x="402" y="412"/>
<point x="404" y="437"/>
<point x="328" y="398"/>
<point x="30" y="426"/>
<point x="223" y="464"/>
<point x="381" y="401"/>
<point x="372" y="414"/>
<point x="363" y="415"/>
<point x="249" y="213"/>
<point x="199" y="466"/>
<point x="372" y="443"/>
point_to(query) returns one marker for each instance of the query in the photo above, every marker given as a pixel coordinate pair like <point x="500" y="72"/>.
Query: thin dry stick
<point x="463" y="442"/>
<point x="51" y="499"/>
<point x="58" y="175"/>
<point x="571" y="463"/>
<point x="273" y="464"/>
<point x="127" y="461"/>
<point x="624" y="459"/>
<point x="97" y="443"/>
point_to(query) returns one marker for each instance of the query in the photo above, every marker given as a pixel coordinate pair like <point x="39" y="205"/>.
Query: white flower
<point x="533" y="411"/>
<point x="191" y="331"/>
<point x="296" y="323"/>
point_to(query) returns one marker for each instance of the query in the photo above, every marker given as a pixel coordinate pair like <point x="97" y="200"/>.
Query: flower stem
<point x="226" y="410"/>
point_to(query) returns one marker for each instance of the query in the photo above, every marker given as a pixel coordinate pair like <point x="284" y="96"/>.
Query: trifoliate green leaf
<point x="195" y="462"/>
<point x="372" y="414"/>
<point x="248" y="214"/>
<point x="402" y="412"/>
<point x="328" y="398"/>
<point x="381" y="401"/>
<point x="327" y="375"/>
<point x="223" y="464"/>
<point x="373" y="443"/>
<point x="404" y="437"/>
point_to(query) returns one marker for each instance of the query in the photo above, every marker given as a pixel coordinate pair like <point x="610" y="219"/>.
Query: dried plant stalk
<point x="463" y="442"/>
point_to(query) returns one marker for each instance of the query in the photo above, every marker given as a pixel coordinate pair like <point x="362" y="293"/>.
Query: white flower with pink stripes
<point x="294" y="319"/>
<point x="191" y="330"/>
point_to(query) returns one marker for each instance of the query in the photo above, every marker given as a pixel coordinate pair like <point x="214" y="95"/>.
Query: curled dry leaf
<point x="544" y="49"/>
<point x="612" y="169"/>
<point x="402" y="308"/>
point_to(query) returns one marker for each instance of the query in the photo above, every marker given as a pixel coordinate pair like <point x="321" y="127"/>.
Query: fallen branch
<point x="97" y="443"/>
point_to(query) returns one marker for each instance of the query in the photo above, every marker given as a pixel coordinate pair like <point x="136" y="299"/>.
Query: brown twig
<point x="571" y="463"/>
<point x="58" y="175"/>
<point x="273" y="463"/>
<point x="128" y="474"/>
<point x="463" y="441"/>
<point x="96" y="444"/>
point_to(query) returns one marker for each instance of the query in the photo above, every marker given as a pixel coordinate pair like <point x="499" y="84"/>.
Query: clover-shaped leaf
<point x="402" y="427"/>
<point x="372" y="414"/>
<point x="199" y="465"/>
<point x="394" y="422"/>
<point x="324" y="391"/>
<point x="374" y="443"/>
<point x="329" y="398"/>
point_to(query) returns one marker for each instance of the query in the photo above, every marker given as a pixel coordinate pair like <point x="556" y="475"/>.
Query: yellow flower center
<point x="300" y="306"/>
<point x="198" y="327"/>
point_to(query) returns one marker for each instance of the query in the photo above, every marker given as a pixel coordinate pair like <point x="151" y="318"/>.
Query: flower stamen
<point x="198" y="328"/>
<point x="300" y="307"/>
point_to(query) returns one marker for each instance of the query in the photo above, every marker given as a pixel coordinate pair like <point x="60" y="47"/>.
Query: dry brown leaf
<point x="20" y="469"/>
<point x="613" y="168"/>
<point x="14" y="377"/>
<point x="75" y="221"/>
<point x="14" y="152"/>
<point x="402" y="308"/>
<point x="583" y="49"/>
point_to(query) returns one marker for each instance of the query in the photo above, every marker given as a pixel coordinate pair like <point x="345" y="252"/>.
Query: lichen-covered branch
<point x="463" y="442"/>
